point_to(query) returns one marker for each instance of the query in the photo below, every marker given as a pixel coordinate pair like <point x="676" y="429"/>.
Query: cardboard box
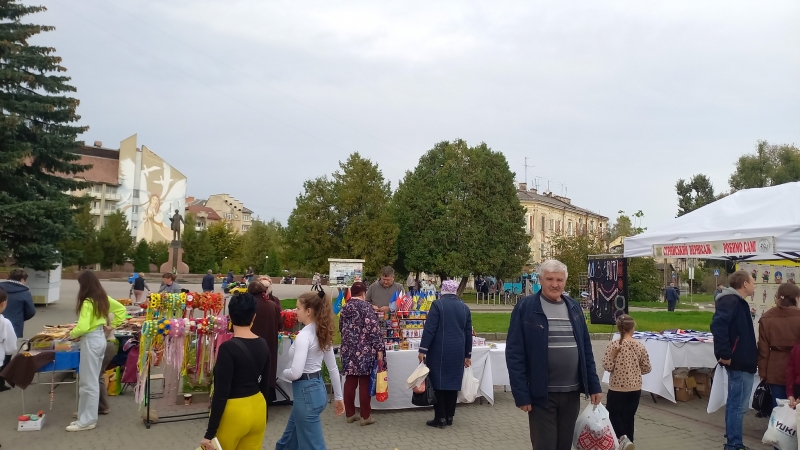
<point x="31" y="425"/>
<point x="684" y="388"/>
<point x="703" y="380"/>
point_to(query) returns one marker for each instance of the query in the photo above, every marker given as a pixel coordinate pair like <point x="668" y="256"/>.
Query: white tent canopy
<point x="753" y="224"/>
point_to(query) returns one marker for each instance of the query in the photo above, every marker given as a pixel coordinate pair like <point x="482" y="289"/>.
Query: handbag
<point x="373" y="379"/>
<point x="382" y="383"/>
<point x="427" y="397"/>
<point x="762" y="400"/>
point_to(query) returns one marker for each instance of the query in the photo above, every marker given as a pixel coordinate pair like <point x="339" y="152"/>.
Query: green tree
<point x="347" y="216"/>
<point x="273" y="267"/>
<point x="141" y="257"/>
<point x="83" y="248"/>
<point x="644" y="280"/>
<point x="204" y="258"/>
<point x="627" y="225"/>
<point x="258" y="242"/>
<point x="770" y="165"/>
<point x="574" y="251"/>
<point x="695" y="194"/>
<point x="227" y="246"/>
<point x="458" y="214"/>
<point x="115" y="240"/>
<point x="159" y="253"/>
<point x="37" y="145"/>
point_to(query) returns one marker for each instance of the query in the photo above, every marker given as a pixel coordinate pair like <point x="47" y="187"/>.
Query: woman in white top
<point x="314" y="343"/>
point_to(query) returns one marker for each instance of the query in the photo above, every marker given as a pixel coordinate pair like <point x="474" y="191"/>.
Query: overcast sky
<point x="615" y="100"/>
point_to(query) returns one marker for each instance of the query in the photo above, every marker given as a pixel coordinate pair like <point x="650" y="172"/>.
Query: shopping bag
<point x="593" y="430"/>
<point x="373" y="379"/>
<point x="114" y="384"/>
<point x="762" y="400"/>
<point x="417" y="377"/>
<point x="469" y="387"/>
<point x="382" y="383"/>
<point x="426" y="398"/>
<point x="782" y="430"/>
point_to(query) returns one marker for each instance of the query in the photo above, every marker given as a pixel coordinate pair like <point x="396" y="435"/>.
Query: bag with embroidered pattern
<point x="593" y="430"/>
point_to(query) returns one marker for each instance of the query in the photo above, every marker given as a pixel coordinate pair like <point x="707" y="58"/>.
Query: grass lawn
<point x="289" y="303"/>
<point x="662" y="305"/>
<point x="645" y="321"/>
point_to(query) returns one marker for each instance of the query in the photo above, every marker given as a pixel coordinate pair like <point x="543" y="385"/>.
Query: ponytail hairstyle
<point x="625" y="324"/>
<point x="321" y="311"/>
<point x="787" y="294"/>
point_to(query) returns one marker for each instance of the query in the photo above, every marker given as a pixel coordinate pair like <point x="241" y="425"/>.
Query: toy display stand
<point x="65" y="363"/>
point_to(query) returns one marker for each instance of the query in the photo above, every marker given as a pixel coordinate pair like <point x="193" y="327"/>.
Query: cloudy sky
<point x="611" y="101"/>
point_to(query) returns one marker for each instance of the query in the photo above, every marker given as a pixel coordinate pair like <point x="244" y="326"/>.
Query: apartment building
<point x="136" y="181"/>
<point x="239" y="217"/>
<point x="547" y="214"/>
<point x="204" y="216"/>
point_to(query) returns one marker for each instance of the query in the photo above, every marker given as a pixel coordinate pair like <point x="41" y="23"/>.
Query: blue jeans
<point x="740" y="386"/>
<point x="778" y="392"/>
<point x="304" y="429"/>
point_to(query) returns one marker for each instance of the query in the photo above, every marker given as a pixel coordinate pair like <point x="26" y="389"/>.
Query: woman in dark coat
<point x="267" y="325"/>
<point x="447" y="348"/>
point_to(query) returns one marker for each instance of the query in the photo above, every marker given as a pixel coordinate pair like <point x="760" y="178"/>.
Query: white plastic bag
<point x="593" y="430"/>
<point x="782" y="430"/>
<point x="469" y="387"/>
<point x="417" y="377"/>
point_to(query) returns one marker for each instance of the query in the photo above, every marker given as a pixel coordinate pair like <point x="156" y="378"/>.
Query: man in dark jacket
<point x="208" y="282"/>
<point x="20" y="302"/>
<point x="736" y="349"/>
<point x="550" y="360"/>
<point x="672" y="294"/>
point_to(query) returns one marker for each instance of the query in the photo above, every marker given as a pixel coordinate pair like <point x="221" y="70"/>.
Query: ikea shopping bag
<point x="469" y="387"/>
<point x="593" y="430"/>
<point x="782" y="430"/>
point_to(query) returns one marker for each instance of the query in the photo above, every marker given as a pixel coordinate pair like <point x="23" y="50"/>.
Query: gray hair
<point x="387" y="271"/>
<point x="553" y="266"/>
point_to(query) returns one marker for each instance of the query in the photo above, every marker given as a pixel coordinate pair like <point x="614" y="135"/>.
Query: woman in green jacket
<point x="96" y="311"/>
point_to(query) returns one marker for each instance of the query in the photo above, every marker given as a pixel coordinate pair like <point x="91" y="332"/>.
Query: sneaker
<point x="368" y="421"/>
<point x="352" y="418"/>
<point x="76" y="427"/>
<point x="625" y="444"/>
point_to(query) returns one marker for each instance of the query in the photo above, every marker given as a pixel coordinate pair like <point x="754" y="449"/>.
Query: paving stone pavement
<point x="659" y="426"/>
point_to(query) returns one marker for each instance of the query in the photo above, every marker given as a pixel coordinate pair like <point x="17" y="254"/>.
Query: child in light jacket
<point x="627" y="360"/>
<point x="8" y="339"/>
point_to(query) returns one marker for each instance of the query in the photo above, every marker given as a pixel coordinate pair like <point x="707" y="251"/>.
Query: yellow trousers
<point x="243" y="423"/>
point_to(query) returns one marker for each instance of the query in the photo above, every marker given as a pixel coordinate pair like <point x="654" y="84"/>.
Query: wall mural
<point x="162" y="190"/>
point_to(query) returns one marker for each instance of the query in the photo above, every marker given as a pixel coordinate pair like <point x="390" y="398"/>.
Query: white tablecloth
<point x="719" y="390"/>
<point x="488" y="366"/>
<point x="403" y="362"/>
<point x="665" y="357"/>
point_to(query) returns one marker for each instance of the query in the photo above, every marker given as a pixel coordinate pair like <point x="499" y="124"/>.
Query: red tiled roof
<point x="210" y="213"/>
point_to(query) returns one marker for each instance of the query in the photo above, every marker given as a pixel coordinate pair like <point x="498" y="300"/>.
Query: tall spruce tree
<point x="37" y="138"/>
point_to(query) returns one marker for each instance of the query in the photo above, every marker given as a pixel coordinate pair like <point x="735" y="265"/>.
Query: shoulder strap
<point x="249" y="356"/>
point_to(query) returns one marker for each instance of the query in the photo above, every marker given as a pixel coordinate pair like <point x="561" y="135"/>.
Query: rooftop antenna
<point x="526" y="169"/>
<point x="536" y="182"/>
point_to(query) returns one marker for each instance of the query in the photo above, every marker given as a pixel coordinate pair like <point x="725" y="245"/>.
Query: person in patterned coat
<point x="446" y="347"/>
<point x="362" y="344"/>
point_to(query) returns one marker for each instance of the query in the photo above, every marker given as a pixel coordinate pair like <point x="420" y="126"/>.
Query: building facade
<point x="204" y="216"/>
<point x="239" y="217"/>
<point x="547" y="215"/>
<point x="135" y="181"/>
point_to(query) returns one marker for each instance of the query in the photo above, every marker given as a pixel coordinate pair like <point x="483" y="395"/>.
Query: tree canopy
<point x="458" y="214"/>
<point x="770" y="165"/>
<point x="115" y="240"/>
<point x="346" y="216"/>
<point x="694" y="194"/>
<point x="574" y="251"/>
<point x="37" y="143"/>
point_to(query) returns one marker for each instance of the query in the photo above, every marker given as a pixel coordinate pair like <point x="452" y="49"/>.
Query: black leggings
<point x="622" y="408"/>
<point x="445" y="404"/>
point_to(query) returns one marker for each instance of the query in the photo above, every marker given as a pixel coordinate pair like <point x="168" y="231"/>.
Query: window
<point x="246" y="217"/>
<point x="111" y="206"/>
<point x="551" y="224"/>
<point x="542" y="224"/>
<point x="229" y="216"/>
<point x="135" y="193"/>
<point x="112" y="190"/>
<point x="592" y="228"/>
<point x="601" y="228"/>
<point x="134" y="224"/>
<point x="95" y="204"/>
<point x="135" y="209"/>
<point x="245" y="227"/>
<point x="96" y="188"/>
<point x="569" y="228"/>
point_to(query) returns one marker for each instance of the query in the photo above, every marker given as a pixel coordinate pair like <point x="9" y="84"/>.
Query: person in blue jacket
<point x="20" y="302"/>
<point x="446" y="347"/>
<point x="672" y="295"/>
<point x="208" y="282"/>
<point x="550" y="360"/>
<point x="736" y="350"/>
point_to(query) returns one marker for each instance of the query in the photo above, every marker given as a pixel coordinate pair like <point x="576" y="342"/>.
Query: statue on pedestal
<point x="176" y="222"/>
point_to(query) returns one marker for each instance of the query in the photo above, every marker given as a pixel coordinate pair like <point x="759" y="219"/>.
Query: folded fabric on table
<point x="23" y="366"/>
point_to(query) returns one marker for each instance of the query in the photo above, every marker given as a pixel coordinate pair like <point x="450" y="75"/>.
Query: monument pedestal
<point x="175" y="260"/>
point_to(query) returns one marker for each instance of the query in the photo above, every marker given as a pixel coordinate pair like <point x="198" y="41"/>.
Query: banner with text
<point x="714" y="249"/>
